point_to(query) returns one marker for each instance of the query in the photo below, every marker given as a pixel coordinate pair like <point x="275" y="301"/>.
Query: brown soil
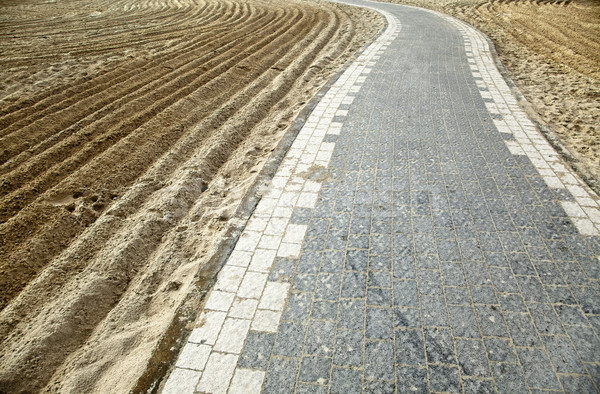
<point x="129" y="132"/>
<point x="551" y="49"/>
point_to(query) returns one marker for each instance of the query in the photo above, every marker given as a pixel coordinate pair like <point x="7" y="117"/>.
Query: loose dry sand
<point x="129" y="132"/>
<point x="551" y="49"/>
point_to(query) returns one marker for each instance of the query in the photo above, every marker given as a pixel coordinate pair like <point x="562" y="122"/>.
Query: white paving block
<point x="194" y="356"/>
<point x="263" y="259"/>
<point x="266" y="320"/>
<point x="243" y="308"/>
<point x="232" y="336"/>
<point x="218" y="373"/>
<point x="229" y="278"/>
<point x="274" y="296"/>
<point x="252" y="285"/>
<point x="207" y="328"/>
<point x="219" y="300"/>
<point x="182" y="381"/>
<point x="246" y="381"/>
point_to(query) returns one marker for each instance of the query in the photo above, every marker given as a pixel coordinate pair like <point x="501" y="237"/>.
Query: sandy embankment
<point x="551" y="49"/>
<point x="129" y="132"/>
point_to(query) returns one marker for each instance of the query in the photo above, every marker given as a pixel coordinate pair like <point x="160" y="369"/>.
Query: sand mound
<point x="130" y="130"/>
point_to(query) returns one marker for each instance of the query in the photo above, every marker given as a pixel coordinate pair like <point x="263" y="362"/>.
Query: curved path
<point x="420" y="235"/>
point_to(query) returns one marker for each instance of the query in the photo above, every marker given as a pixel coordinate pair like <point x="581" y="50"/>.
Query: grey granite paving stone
<point x="500" y="350"/>
<point x="352" y="314"/>
<point x="491" y="321"/>
<point x="379" y="323"/>
<point x="439" y="346"/>
<point x="522" y="330"/>
<point x="281" y="375"/>
<point x="577" y="384"/>
<point x="472" y="358"/>
<point x="328" y="286"/>
<point x="509" y="378"/>
<point x="257" y="350"/>
<point x="282" y="270"/>
<point x="349" y="348"/>
<point x="409" y="347"/>
<point x="571" y="315"/>
<point x="332" y="261"/>
<point x="407" y="317"/>
<point x="463" y="322"/>
<point x="324" y="310"/>
<point x="433" y="311"/>
<point x="298" y="306"/>
<point x="353" y="285"/>
<point x="346" y="381"/>
<point x="320" y="338"/>
<point x="290" y="338"/>
<point x="314" y="370"/>
<point x="562" y="354"/>
<point x="538" y="370"/>
<point x="379" y="360"/>
<point x="444" y="378"/>
<point x="586" y="343"/>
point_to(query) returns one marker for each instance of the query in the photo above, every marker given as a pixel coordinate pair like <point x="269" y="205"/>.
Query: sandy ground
<point x="551" y="49"/>
<point x="130" y="130"/>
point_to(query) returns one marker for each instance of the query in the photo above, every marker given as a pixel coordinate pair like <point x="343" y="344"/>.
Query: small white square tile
<point x="207" y="328"/>
<point x="243" y="308"/>
<point x="267" y="321"/>
<point x="218" y="373"/>
<point x="219" y="300"/>
<point x="182" y="381"/>
<point x="274" y="296"/>
<point x="194" y="356"/>
<point x="248" y="241"/>
<point x="311" y="186"/>
<point x="246" y="381"/>
<point x="593" y="214"/>
<point x="262" y="260"/>
<point x="283" y="212"/>
<point x="553" y="182"/>
<point x="232" y="336"/>
<point x="289" y="250"/>
<point x="269" y="242"/>
<point x="276" y="226"/>
<point x="573" y="209"/>
<point x="252" y="285"/>
<point x="240" y="258"/>
<point x="295" y="233"/>
<point x="585" y="226"/>
<point x="307" y="200"/>
<point x="229" y="278"/>
<point x="257" y="224"/>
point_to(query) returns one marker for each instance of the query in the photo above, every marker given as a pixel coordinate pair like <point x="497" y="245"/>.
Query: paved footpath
<point x="420" y="235"/>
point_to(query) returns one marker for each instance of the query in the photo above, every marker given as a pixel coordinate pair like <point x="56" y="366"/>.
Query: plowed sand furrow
<point x="43" y="162"/>
<point x="111" y="86"/>
<point x="122" y="263"/>
<point x="58" y="98"/>
<point x="16" y="201"/>
<point x="218" y="116"/>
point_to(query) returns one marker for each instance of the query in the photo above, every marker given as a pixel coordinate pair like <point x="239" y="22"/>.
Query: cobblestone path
<point x="420" y="235"/>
